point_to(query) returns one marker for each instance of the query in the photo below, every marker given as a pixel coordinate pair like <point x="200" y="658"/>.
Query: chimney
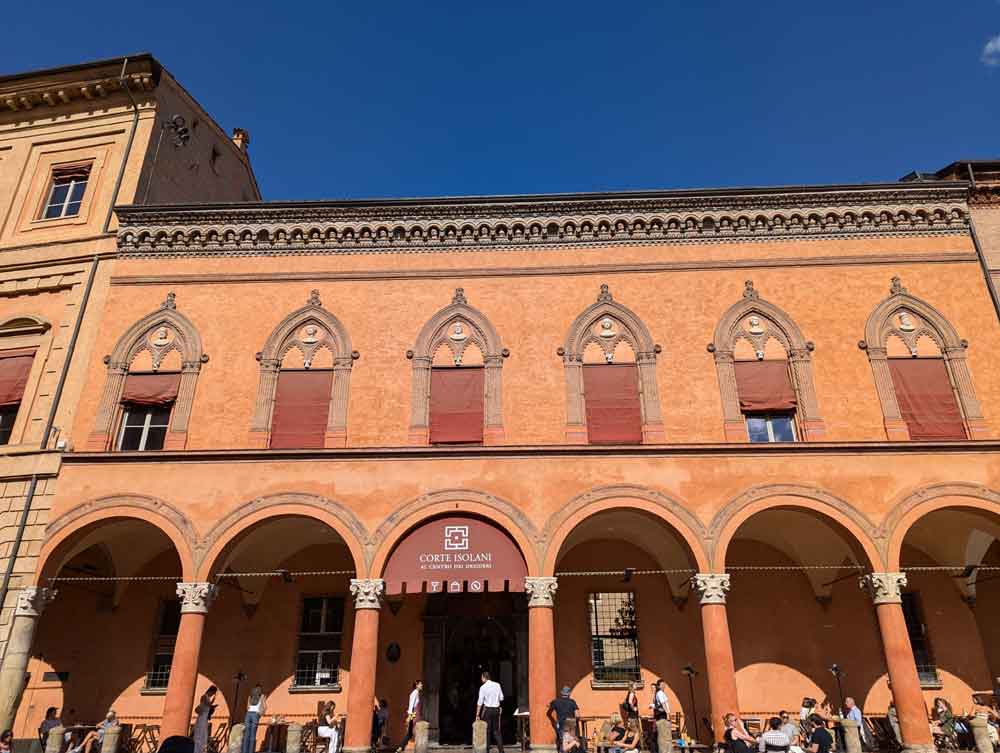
<point x="242" y="139"/>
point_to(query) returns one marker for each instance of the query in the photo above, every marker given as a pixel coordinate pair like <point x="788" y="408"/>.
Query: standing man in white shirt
<point x="660" y="707"/>
<point x="488" y="709"/>
<point x="412" y="714"/>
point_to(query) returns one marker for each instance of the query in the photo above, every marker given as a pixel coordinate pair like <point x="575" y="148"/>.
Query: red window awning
<point x="926" y="399"/>
<point x="15" y="366"/>
<point x="151" y="389"/>
<point x="454" y="555"/>
<point x="764" y="386"/>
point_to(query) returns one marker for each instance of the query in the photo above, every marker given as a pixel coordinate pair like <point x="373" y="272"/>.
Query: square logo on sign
<point x="456" y="538"/>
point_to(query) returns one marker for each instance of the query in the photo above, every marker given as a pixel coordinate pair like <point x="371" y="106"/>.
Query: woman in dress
<point x="328" y="726"/>
<point x="204" y="710"/>
<point x="737" y="739"/>
<point x="630" y="706"/>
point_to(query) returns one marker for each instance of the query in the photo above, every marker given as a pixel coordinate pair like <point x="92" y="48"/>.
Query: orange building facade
<point x="726" y="438"/>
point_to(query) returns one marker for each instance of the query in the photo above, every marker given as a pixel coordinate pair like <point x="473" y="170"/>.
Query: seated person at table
<point x="570" y="742"/>
<point x="51" y="720"/>
<point x="774" y="740"/>
<point x="821" y="741"/>
<point x="629" y="740"/>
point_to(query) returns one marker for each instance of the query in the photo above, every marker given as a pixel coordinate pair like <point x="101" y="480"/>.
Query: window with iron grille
<point x="163" y="645"/>
<point x="916" y="628"/>
<point x="317" y="662"/>
<point x="614" y="638"/>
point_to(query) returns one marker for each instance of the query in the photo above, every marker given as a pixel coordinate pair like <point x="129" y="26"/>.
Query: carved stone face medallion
<point x="162" y="337"/>
<point x="755" y="326"/>
<point x="458" y="333"/>
<point x="607" y="328"/>
<point x="906" y="322"/>
<point x="310" y="334"/>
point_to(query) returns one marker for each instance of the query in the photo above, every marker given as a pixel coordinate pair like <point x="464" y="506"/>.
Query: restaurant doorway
<point x="464" y="635"/>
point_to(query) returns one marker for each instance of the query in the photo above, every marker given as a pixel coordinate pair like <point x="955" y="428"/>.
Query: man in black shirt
<point x="561" y="709"/>
<point x="821" y="740"/>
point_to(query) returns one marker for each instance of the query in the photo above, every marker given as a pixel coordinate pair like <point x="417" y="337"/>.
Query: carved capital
<point x="713" y="587"/>
<point x="884" y="588"/>
<point x="196" y="598"/>
<point x="31" y="601"/>
<point x="541" y="591"/>
<point x="367" y="592"/>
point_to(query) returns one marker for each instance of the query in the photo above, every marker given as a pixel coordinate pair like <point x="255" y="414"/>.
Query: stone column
<point x="981" y="733"/>
<point x="884" y="589"/>
<point x="541" y="659"/>
<point x="31" y="602"/>
<point x="364" y="657"/>
<point x="720" y="669"/>
<point x="852" y="735"/>
<point x="195" y="601"/>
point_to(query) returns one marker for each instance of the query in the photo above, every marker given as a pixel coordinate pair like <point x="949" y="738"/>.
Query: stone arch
<point x="331" y="513"/>
<point x="930" y="322"/>
<point x="781" y="327"/>
<point x="759" y="498"/>
<point x="434" y="335"/>
<point x="927" y="499"/>
<point x="175" y="333"/>
<point x="157" y="513"/>
<point x="308" y="329"/>
<point x="632" y="331"/>
<point x="468" y="501"/>
<point x="671" y="511"/>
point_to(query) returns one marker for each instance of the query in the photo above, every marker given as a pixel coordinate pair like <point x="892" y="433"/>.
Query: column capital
<point x="884" y="588"/>
<point x="541" y="591"/>
<point x="367" y="592"/>
<point x="32" y="600"/>
<point x="712" y="586"/>
<point x="196" y="598"/>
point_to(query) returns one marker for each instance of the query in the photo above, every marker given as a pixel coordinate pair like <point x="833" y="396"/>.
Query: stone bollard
<point x="54" y="742"/>
<point x="664" y="736"/>
<point x="236" y="738"/>
<point x="478" y="737"/>
<point x="852" y="735"/>
<point x="293" y="740"/>
<point x="421" y="734"/>
<point x="981" y="732"/>
<point x="111" y="736"/>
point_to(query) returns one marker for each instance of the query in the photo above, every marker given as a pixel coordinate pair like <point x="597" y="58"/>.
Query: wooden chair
<point x="601" y="742"/>
<point x="149" y="738"/>
<point x="218" y="740"/>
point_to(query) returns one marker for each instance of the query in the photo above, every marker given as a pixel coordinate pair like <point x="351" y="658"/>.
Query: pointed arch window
<point x="764" y="365"/>
<point x="149" y="390"/>
<point x="921" y="372"/>
<point x="610" y="363"/>
<point x="305" y="373"/>
<point x="457" y="362"/>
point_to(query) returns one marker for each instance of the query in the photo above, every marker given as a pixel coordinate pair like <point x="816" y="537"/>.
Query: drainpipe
<point x="128" y="148"/>
<point x="979" y="251"/>
<point x="50" y="421"/>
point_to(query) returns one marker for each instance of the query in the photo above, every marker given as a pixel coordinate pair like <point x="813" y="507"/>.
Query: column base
<point x="543" y="747"/>
<point x="366" y="749"/>
<point x="926" y="748"/>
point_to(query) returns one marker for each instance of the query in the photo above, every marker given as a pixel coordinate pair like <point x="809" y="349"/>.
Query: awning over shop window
<point x="455" y="555"/>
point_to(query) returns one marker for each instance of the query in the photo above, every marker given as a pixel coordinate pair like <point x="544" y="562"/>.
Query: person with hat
<point x="560" y="710"/>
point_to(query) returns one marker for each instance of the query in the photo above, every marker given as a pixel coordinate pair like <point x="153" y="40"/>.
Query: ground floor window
<point x="317" y="662"/>
<point x="614" y="638"/>
<point x="923" y="655"/>
<point x="163" y="645"/>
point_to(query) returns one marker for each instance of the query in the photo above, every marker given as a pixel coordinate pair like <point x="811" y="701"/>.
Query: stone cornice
<point x="417" y="225"/>
<point x="56" y="94"/>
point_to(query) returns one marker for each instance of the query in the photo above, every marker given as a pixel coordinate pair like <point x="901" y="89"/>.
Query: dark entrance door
<point x="465" y="635"/>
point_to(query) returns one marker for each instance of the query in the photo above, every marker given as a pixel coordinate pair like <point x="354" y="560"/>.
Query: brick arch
<point x="332" y="335"/>
<point x="727" y="521"/>
<point x="633" y="332"/>
<point x="919" y="503"/>
<point x="433" y="335"/>
<point x="61" y="532"/>
<point x="334" y="515"/>
<point x="782" y="327"/>
<point x="932" y="323"/>
<point x="183" y="339"/>
<point x="453" y="501"/>
<point x="672" y="512"/>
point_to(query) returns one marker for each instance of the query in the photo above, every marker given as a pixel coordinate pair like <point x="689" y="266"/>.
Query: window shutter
<point x="926" y="399"/>
<point x="301" y="409"/>
<point x="611" y="392"/>
<point x="764" y="386"/>
<point x="15" y="365"/>
<point x="151" y="389"/>
<point x="456" y="411"/>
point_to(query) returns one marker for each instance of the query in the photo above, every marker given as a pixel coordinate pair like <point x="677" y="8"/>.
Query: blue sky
<point x="355" y="99"/>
